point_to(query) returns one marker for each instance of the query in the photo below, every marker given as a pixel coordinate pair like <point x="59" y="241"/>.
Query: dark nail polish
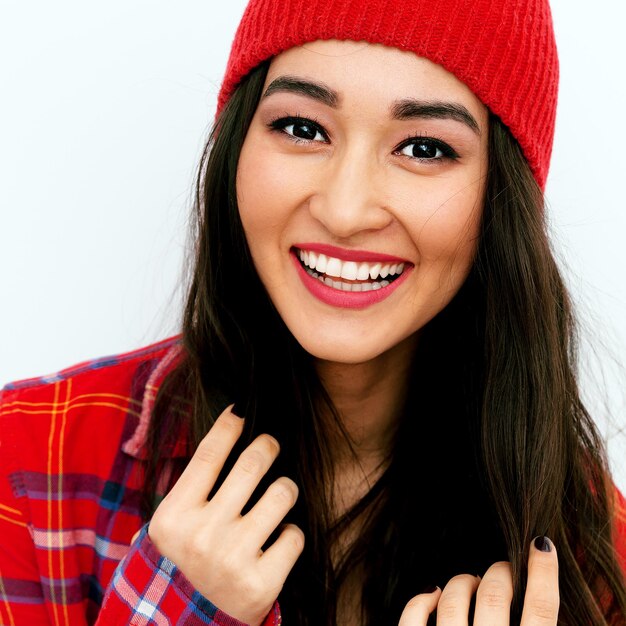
<point x="237" y="410"/>
<point x="430" y="589"/>
<point x="543" y="544"/>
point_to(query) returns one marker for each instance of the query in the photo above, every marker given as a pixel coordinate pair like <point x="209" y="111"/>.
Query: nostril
<point x="345" y="214"/>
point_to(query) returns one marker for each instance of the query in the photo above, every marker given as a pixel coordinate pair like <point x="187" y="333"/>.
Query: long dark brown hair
<point x="494" y="445"/>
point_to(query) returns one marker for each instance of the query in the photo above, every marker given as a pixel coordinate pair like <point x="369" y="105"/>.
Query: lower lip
<point x="347" y="299"/>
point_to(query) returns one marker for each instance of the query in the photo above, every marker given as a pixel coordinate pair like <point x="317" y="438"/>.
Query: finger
<point x="202" y="471"/>
<point x="418" y="609"/>
<point x="264" y="517"/>
<point x="541" y="600"/>
<point x="454" y="603"/>
<point x="494" y="595"/>
<point x="278" y="560"/>
<point x="245" y="476"/>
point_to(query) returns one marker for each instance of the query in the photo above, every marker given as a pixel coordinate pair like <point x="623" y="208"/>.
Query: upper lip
<point x="345" y="254"/>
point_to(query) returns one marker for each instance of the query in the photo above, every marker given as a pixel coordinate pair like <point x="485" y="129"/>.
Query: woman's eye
<point x="426" y="150"/>
<point x="300" y="129"/>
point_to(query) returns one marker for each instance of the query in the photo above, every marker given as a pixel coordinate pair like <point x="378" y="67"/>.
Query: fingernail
<point x="430" y="589"/>
<point x="236" y="410"/>
<point x="543" y="544"/>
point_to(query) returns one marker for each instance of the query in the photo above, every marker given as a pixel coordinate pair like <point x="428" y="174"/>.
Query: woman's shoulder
<point x="87" y="405"/>
<point x="103" y="372"/>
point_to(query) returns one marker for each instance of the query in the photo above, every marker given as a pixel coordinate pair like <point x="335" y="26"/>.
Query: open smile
<point x="349" y="275"/>
<point x="357" y="280"/>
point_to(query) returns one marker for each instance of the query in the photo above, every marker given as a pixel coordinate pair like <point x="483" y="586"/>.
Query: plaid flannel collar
<point x="135" y="445"/>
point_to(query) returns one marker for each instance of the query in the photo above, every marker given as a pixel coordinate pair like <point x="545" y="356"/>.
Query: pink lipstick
<point x="332" y="290"/>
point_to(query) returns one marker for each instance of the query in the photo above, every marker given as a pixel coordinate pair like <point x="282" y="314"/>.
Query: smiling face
<point x="360" y="188"/>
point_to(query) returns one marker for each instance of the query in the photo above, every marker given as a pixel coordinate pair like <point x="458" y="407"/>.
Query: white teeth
<point x="357" y="287"/>
<point x="328" y="281"/>
<point x="375" y="286"/>
<point x="366" y="287"/>
<point x="363" y="272"/>
<point x="374" y="270"/>
<point x="333" y="267"/>
<point x="320" y="266"/>
<point x="349" y="270"/>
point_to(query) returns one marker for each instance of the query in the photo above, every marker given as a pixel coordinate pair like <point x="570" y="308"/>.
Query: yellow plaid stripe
<point x="85" y="396"/>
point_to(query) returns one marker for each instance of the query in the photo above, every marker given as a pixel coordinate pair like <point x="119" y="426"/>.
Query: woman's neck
<point x="368" y="398"/>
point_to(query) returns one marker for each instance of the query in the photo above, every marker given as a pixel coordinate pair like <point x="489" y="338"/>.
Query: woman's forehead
<point x="366" y="70"/>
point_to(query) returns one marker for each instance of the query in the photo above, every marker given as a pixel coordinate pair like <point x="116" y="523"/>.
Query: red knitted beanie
<point x="503" y="50"/>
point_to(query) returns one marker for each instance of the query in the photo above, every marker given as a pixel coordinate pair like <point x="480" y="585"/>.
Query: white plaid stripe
<point x="63" y="539"/>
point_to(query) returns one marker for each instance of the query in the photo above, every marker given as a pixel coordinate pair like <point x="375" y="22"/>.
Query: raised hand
<point x="214" y="546"/>
<point x="494" y="593"/>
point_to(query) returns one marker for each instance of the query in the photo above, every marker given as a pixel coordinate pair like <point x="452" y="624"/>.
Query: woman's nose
<point x="350" y="197"/>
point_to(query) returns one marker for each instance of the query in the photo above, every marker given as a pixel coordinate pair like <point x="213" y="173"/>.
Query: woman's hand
<point x="214" y="546"/>
<point x="493" y="595"/>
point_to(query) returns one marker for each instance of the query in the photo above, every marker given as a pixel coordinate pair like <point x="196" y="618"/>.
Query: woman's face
<point x="360" y="186"/>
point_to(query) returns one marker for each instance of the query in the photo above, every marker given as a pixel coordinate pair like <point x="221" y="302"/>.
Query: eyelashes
<point x="302" y="130"/>
<point x="426" y="149"/>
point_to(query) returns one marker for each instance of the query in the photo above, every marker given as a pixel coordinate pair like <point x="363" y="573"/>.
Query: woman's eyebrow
<point x="405" y="109"/>
<point x="411" y="109"/>
<point x="317" y="91"/>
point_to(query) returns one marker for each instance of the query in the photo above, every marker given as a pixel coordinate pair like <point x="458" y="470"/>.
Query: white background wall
<point x="104" y="109"/>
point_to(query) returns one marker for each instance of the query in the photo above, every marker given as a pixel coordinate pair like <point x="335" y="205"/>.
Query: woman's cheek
<point x="269" y="188"/>
<point x="445" y="224"/>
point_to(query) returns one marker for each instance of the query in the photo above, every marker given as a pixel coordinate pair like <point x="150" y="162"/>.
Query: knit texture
<point x="503" y="50"/>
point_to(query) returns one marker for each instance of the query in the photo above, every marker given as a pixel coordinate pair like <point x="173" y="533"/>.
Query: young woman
<point x="372" y="414"/>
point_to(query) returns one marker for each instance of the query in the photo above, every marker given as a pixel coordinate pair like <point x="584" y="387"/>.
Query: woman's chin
<point x="351" y="350"/>
<point x="341" y="350"/>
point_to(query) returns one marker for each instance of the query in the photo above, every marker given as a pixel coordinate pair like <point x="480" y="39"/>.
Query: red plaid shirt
<point x="71" y="448"/>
